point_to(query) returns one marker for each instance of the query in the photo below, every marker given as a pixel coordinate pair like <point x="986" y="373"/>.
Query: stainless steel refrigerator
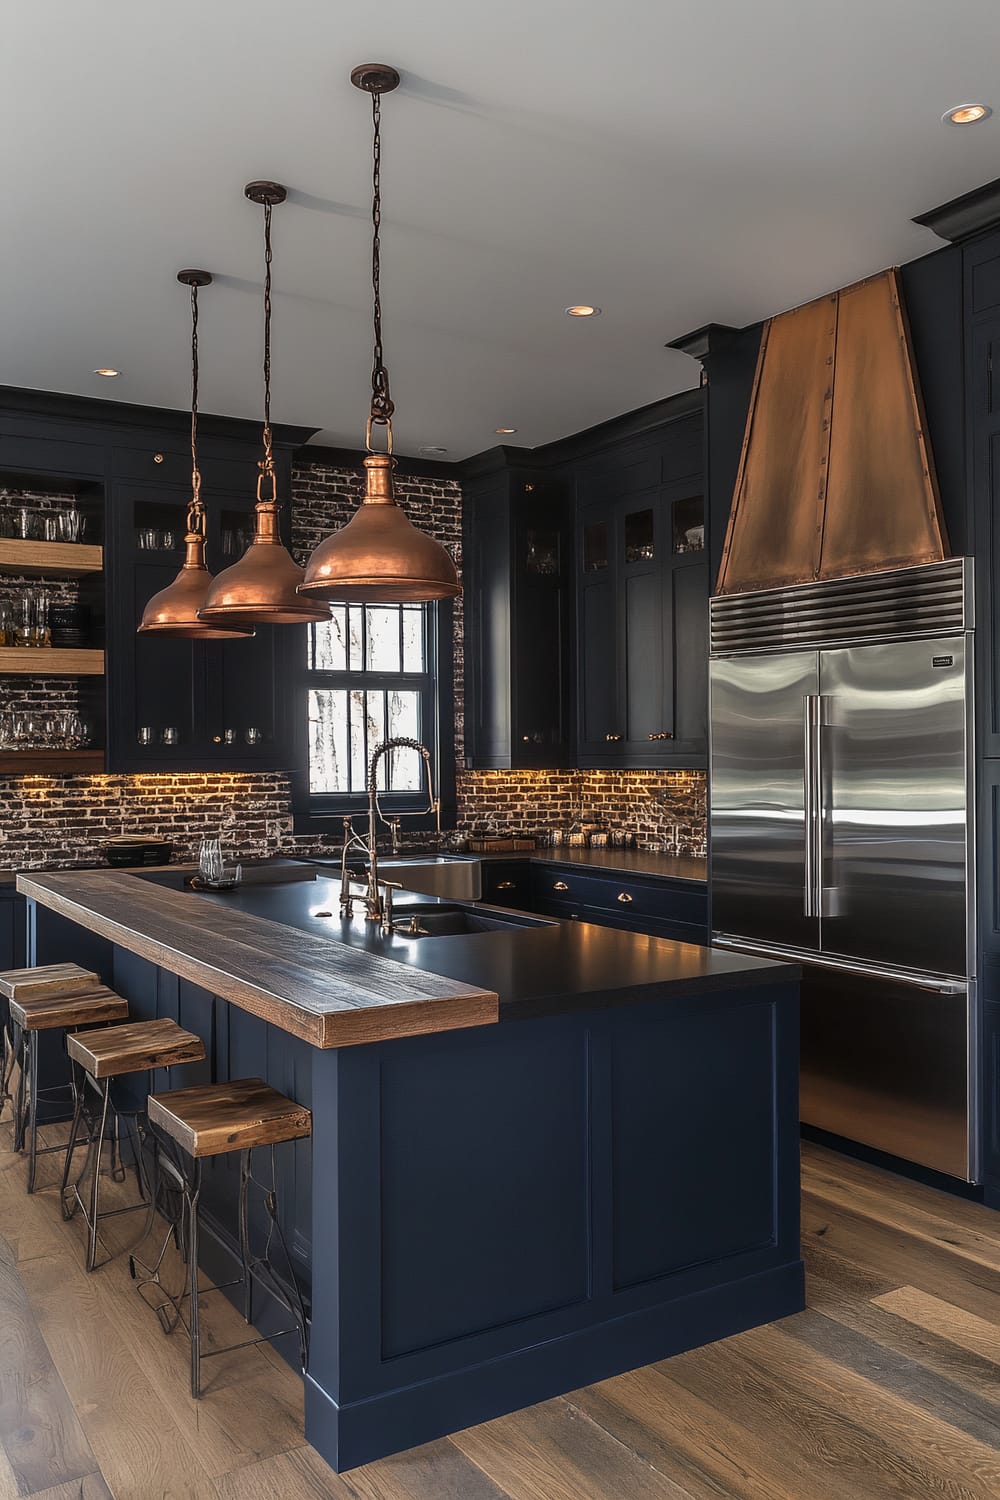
<point x="842" y="836"/>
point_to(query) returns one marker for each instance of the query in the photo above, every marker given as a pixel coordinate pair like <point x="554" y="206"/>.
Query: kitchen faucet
<point x="379" y="908"/>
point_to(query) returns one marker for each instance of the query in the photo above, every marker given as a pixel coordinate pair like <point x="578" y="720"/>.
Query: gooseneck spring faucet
<point x="379" y="908"/>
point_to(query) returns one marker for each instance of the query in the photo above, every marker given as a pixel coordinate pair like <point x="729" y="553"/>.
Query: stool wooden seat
<point x="137" y="1047"/>
<point x="240" y="1115"/>
<point x="84" y="1008"/>
<point x="27" y="984"/>
<point x="234" y="1116"/>
<point x="46" y="979"/>
<point x="55" y="997"/>
<point x="101" y="1056"/>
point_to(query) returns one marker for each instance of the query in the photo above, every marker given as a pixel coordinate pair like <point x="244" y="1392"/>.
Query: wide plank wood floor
<point x="887" y="1386"/>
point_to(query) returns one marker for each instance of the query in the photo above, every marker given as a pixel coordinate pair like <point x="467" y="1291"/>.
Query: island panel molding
<point x="326" y="994"/>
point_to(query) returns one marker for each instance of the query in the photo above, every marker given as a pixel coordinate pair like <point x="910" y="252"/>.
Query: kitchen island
<point x="543" y="1152"/>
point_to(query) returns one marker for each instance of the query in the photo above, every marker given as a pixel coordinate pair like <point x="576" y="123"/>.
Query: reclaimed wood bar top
<point x="328" y="994"/>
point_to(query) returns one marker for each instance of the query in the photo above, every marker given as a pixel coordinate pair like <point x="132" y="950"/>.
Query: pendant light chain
<point x="382" y="405"/>
<point x="196" y="510"/>
<point x="267" y="463"/>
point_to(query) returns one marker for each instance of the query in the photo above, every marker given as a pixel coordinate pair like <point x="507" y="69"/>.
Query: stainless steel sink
<point x="456" y="921"/>
<point x="452" y="876"/>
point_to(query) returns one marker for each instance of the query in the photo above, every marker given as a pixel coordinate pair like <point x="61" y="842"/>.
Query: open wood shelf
<point x="49" y="559"/>
<point x="51" y="661"/>
<point x="39" y="762"/>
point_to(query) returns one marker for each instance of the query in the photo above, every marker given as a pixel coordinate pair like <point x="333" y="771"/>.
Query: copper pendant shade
<point x="174" y="610"/>
<point x="262" y="587"/>
<point x="379" y="556"/>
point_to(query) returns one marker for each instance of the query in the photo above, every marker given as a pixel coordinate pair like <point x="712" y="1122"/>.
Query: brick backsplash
<point x="60" y="821"/>
<point x="657" y="809"/>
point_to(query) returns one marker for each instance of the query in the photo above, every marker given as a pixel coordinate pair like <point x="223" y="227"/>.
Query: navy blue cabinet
<point x="663" y="908"/>
<point x="642" y="617"/>
<point x="516" y="553"/>
<point x="13" y="930"/>
<point x="177" y="704"/>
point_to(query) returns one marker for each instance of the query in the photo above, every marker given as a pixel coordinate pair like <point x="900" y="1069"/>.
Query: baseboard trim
<point x="391" y="1421"/>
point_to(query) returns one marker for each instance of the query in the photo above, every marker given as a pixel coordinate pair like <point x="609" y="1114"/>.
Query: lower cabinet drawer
<point x="507" y="884"/>
<point x="661" y="901"/>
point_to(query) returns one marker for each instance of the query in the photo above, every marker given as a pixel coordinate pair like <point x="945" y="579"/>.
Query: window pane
<point x="383" y="638"/>
<point x="413" y="638"/>
<point x="328" y="642"/>
<point x="328" y="765"/>
<point x="355" y="638"/>
<point x="406" y="766"/>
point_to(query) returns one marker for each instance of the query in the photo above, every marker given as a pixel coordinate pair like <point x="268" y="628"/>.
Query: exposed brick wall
<point x="62" y="821"/>
<point x="655" y="808"/>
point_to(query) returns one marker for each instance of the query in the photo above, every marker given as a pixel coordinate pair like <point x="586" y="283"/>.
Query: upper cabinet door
<point x="600" y="731"/>
<point x="517" y="551"/>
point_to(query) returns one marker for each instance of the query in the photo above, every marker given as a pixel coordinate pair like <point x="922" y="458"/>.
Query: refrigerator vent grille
<point x="934" y="599"/>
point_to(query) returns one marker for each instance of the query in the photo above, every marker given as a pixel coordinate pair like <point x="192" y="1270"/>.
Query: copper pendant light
<point x="379" y="557"/>
<point x="174" y="610"/>
<point x="261" y="587"/>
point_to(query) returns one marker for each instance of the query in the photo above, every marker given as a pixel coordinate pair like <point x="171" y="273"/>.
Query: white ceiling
<point x="673" y="161"/>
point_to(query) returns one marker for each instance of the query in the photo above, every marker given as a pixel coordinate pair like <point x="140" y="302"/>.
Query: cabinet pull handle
<point x="560" y="885"/>
<point x="664" y="734"/>
<point x="624" y="897"/>
<point x="506" y="885"/>
<point x="612" y="738"/>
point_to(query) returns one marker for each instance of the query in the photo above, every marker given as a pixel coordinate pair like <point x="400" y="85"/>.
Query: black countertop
<point x="536" y="964"/>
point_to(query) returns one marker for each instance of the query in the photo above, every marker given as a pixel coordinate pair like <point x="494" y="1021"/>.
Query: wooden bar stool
<point x="28" y="984"/>
<point x="240" y="1115"/>
<point x="51" y="1010"/>
<point x="100" y="1057"/>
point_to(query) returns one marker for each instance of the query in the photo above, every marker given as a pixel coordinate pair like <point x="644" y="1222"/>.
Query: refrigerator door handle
<point x="811" y="787"/>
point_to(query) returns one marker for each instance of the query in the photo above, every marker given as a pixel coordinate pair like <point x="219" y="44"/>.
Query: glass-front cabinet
<point x="179" y="704"/>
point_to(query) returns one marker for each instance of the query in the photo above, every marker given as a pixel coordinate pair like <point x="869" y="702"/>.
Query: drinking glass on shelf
<point x="252" y="735"/>
<point x="6" y="624"/>
<point x="41" y="634"/>
<point x="25" y="522"/>
<point x="144" y="735"/>
<point x="24" y="621"/>
<point x="168" y="540"/>
<point x="6" y="730"/>
<point x="210" y="863"/>
<point x="71" y="524"/>
<point x="170" y="736"/>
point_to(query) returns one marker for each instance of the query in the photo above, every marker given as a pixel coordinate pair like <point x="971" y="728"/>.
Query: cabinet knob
<point x="624" y="897"/>
<point x="613" y="738"/>
<point x="560" y="885"/>
<point x="157" y="458"/>
<point x="216" y="739"/>
<point x="506" y="885"/>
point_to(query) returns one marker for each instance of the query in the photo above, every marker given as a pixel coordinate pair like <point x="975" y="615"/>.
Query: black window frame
<point x="324" y="812"/>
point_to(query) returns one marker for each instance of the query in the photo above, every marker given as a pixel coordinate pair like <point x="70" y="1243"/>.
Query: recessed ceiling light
<point x="966" y="114"/>
<point x="107" y="372"/>
<point x="429" y="451"/>
<point x="502" y="431"/>
<point x="582" y="310"/>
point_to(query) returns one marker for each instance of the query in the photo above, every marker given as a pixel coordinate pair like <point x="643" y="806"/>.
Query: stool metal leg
<point x="32" y="1108"/>
<point x="6" y="1097"/>
<point x="69" y="1208"/>
<point x="95" y="1191"/>
<point x="245" y="1236"/>
<point x="193" y="1195"/>
<point x="19" y="1106"/>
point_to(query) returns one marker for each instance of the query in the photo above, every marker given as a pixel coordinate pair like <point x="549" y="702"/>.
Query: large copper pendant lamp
<point x="379" y="557"/>
<point x="261" y="587"/>
<point x="174" y="610"/>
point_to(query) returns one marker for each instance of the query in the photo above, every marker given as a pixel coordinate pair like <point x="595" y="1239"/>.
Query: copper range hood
<point x="836" y="475"/>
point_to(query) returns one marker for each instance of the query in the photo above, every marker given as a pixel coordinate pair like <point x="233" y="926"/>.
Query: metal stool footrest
<point x="95" y="1123"/>
<point x="186" y="1177"/>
